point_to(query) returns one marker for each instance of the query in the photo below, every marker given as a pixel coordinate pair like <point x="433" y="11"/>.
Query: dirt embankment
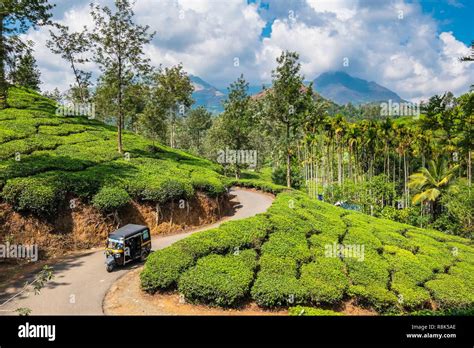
<point x="80" y="226"/>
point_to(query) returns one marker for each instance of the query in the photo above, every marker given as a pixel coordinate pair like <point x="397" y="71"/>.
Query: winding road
<point x="81" y="281"/>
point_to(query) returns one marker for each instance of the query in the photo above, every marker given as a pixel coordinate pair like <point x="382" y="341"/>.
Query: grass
<point x="403" y="269"/>
<point x="45" y="157"/>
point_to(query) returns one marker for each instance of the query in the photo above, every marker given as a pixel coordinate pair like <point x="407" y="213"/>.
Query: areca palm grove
<point x="373" y="164"/>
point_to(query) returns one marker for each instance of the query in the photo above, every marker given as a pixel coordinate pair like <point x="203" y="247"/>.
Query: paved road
<point x="81" y="281"/>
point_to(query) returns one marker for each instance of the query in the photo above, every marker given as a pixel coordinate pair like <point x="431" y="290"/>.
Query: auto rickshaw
<point x="128" y="243"/>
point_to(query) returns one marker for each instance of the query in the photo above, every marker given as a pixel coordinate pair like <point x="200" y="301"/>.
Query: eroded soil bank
<point x="80" y="226"/>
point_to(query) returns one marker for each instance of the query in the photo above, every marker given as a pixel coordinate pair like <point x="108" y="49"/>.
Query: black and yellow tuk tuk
<point x="128" y="243"/>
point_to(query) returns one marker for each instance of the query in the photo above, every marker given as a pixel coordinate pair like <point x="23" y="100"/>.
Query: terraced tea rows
<point x="392" y="267"/>
<point x="45" y="157"/>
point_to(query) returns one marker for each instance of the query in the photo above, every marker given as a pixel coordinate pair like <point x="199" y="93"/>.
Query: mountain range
<point x="336" y="86"/>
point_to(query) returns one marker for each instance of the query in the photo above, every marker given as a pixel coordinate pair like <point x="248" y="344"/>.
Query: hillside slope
<point x="342" y="88"/>
<point x="306" y="252"/>
<point x="48" y="160"/>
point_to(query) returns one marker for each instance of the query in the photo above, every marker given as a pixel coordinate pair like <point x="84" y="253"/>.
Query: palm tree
<point x="431" y="182"/>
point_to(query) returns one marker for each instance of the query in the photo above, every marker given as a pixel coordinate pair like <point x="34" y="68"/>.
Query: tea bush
<point x="163" y="268"/>
<point x="34" y="142"/>
<point x="324" y="280"/>
<point x="276" y="284"/>
<point x="400" y="269"/>
<point x="310" y="311"/>
<point x="110" y="198"/>
<point x="219" y="280"/>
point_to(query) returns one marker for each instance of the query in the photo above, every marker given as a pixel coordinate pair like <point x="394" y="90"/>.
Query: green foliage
<point x="219" y="280"/>
<point x="324" y="280"/>
<point x="230" y="236"/>
<point x="262" y="185"/>
<point x="279" y="177"/>
<point x="451" y="291"/>
<point x="40" y="195"/>
<point x="402" y="268"/>
<point x="310" y="311"/>
<point x="110" y="198"/>
<point x="163" y="268"/>
<point x="291" y="245"/>
<point x="78" y="156"/>
<point x="26" y="73"/>
<point x="276" y="284"/>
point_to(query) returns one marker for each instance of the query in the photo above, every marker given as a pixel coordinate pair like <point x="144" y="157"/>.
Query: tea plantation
<point x="282" y="258"/>
<point x="45" y="157"/>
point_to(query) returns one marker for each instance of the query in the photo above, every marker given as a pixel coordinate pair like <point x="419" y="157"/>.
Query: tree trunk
<point x="339" y="164"/>
<point x="469" y="167"/>
<point x="120" y="111"/>
<point x="288" y="157"/>
<point x="3" y="82"/>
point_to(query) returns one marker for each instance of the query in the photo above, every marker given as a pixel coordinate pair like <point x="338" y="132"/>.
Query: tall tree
<point x="287" y="104"/>
<point x="26" y="72"/>
<point x="72" y="47"/>
<point x="196" y="124"/>
<point x="16" y="16"/>
<point x="236" y="120"/>
<point x="431" y="182"/>
<point x="171" y="96"/>
<point x="118" y="50"/>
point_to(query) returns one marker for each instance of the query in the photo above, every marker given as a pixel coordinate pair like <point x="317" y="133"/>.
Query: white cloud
<point x="392" y="43"/>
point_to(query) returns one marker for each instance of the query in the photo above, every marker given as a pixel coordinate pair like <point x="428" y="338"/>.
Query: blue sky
<point x="453" y="15"/>
<point x="411" y="47"/>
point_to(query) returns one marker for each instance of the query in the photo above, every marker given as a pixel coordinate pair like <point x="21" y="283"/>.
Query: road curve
<point x="81" y="281"/>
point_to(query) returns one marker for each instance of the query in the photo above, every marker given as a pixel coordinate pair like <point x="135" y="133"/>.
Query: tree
<point x="55" y="95"/>
<point x="196" y="124"/>
<point x="26" y="73"/>
<point x="16" y="17"/>
<point x="431" y="182"/>
<point x="236" y="120"/>
<point x="118" y="50"/>
<point x="72" y="47"/>
<point x="170" y="96"/>
<point x="287" y="104"/>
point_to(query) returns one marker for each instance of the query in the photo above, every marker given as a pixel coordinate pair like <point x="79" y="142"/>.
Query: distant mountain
<point x="337" y="86"/>
<point x="207" y="95"/>
<point x="343" y="88"/>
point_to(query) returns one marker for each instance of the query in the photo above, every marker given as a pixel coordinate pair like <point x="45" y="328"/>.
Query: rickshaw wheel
<point x="110" y="268"/>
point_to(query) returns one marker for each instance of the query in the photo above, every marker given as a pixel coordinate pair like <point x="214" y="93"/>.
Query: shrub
<point x="170" y="189"/>
<point x="276" y="283"/>
<point x="219" y="280"/>
<point x="110" y="198"/>
<point x="40" y="195"/>
<point x="279" y="176"/>
<point x="283" y="244"/>
<point x="410" y="296"/>
<point x="232" y="235"/>
<point x="324" y="280"/>
<point x="450" y="291"/>
<point x="375" y="296"/>
<point x="163" y="268"/>
<point x="310" y="311"/>
<point x="207" y="182"/>
<point x="262" y="185"/>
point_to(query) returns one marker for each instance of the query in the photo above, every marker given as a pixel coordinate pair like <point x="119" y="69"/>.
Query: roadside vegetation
<point x="280" y="259"/>
<point x="48" y="159"/>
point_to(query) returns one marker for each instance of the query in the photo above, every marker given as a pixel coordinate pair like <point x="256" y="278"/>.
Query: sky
<point x="411" y="47"/>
